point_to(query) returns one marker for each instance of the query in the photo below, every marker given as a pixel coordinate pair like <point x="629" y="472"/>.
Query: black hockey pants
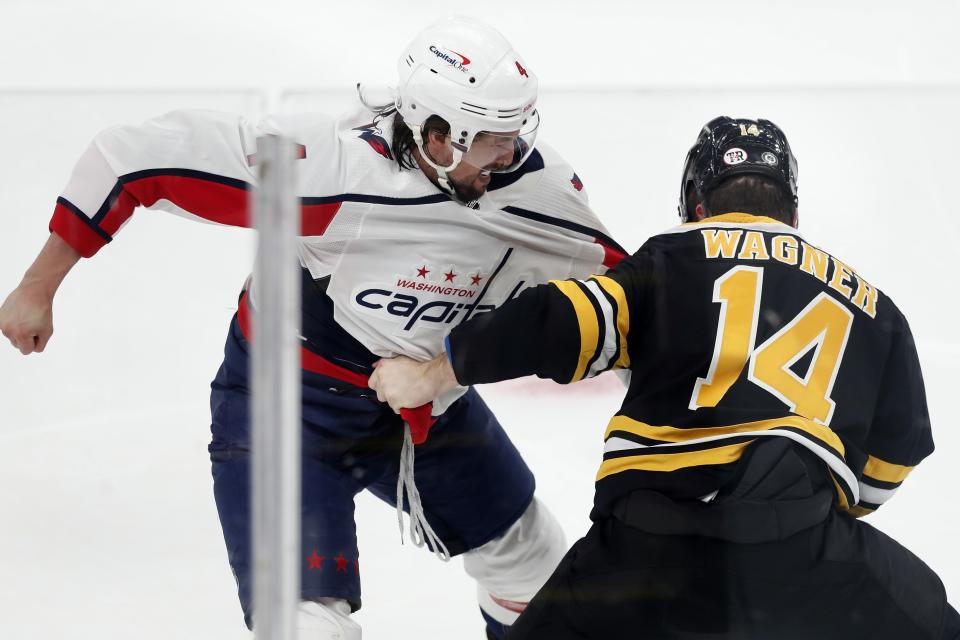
<point x="836" y="577"/>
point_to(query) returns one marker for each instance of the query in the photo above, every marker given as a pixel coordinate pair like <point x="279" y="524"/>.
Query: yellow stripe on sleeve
<point x="675" y="434"/>
<point x="615" y="291"/>
<point x="885" y="471"/>
<point x="586" y="318"/>
<point x="673" y="461"/>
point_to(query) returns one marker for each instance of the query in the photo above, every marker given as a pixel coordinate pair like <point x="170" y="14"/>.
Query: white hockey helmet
<point x="466" y="72"/>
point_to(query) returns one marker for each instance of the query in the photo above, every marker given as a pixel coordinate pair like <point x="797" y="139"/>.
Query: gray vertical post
<point x="275" y="296"/>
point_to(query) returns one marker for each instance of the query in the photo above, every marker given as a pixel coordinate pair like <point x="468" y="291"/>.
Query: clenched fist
<point x="405" y="383"/>
<point x="26" y="318"/>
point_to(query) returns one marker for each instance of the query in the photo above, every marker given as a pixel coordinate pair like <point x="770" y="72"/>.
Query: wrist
<point x="441" y="372"/>
<point x="42" y="285"/>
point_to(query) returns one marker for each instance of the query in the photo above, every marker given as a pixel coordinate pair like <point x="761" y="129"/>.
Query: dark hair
<point x="751" y="193"/>
<point x="403" y="142"/>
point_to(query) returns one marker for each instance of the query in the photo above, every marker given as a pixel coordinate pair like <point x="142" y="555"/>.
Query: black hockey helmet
<point x="727" y="147"/>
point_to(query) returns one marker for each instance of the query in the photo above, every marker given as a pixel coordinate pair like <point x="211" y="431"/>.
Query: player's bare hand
<point x="26" y="318"/>
<point x="403" y="382"/>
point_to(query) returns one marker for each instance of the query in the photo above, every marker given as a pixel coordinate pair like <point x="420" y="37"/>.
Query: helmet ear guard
<point x="727" y="147"/>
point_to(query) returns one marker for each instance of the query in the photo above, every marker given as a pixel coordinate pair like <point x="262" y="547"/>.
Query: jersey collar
<point x="737" y="217"/>
<point x="737" y="220"/>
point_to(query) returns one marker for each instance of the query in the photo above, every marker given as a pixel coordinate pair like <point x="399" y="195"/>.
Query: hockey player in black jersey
<point x="775" y="397"/>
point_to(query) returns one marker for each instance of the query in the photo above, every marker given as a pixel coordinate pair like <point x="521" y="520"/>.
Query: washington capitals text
<point x="438" y="311"/>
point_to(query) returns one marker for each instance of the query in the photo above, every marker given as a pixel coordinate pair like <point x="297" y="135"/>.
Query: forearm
<point x="51" y="266"/>
<point x="537" y="332"/>
<point x="533" y="334"/>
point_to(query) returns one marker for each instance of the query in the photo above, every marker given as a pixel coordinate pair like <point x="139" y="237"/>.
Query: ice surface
<point x="106" y="510"/>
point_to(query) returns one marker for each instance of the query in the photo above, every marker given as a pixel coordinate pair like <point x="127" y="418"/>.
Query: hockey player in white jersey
<point x="419" y="211"/>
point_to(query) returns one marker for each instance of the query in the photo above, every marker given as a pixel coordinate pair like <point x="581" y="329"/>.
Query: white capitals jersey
<point x="395" y="262"/>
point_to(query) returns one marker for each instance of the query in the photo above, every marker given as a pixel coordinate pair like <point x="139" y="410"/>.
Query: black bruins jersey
<point x="734" y="329"/>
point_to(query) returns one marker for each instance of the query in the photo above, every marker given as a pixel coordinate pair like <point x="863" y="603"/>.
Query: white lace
<point x="420" y="530"/>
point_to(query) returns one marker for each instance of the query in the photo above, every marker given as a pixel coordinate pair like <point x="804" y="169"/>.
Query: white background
<point x="107" y="523"/>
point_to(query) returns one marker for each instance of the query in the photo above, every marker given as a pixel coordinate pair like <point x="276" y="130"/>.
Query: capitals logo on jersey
<point x="373" y="136"/>
<point x="430" y="295"/>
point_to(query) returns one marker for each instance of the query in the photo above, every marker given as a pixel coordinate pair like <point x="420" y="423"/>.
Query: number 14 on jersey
<point x="823" y="325"/>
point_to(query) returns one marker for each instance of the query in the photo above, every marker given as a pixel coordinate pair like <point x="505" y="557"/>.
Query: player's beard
<point x="469" y="192"/>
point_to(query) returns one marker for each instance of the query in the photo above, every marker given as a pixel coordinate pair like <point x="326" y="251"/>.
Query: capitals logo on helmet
<point x="727" y="147"/>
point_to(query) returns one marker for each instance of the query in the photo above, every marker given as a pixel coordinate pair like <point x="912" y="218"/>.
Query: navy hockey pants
<point x="472" y="480"/>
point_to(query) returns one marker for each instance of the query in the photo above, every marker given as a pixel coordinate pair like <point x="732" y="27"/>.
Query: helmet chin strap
<point x="441" y="171"/>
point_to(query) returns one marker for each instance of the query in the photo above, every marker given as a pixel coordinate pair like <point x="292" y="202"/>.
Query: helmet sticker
<point x="734" y="156"/>
<point x="769" y="158"/>
<point x="452" y="60"/>
<point x="520" y="68"/>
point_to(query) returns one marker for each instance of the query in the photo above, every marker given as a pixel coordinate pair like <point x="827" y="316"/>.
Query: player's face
<point x="488" y="153"/>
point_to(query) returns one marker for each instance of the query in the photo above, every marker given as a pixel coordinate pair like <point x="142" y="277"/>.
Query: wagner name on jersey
<point x="735" y="328"/>
<point x="390" y="263"/>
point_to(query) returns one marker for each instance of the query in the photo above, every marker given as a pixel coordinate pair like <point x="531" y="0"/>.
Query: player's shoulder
<point x="545" y="185"/>
<point x="559" y="175"/>
<point x="890" y="316"/>
<point x="357" y="132"/>
<point x="300" y="125"/>
<point x="552" y="160"/>
<point x="195" y="123"/>
<point x="313" y="133"/>
<point x="349" y="152"/>
<point x="555" y="173"/>
<point x="368" y="136"/>
<point x="736" y="236"/>
<point x="314" y="130"/>
<point x="739" y="238"/>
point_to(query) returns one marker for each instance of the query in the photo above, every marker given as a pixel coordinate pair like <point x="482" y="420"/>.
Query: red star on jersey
<point x="315" y="561"/>
<point x="450" y="275"/>
<point x="342" y="563"/>
<point x="476" y="279"/>
<point x="423" y="271"/>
